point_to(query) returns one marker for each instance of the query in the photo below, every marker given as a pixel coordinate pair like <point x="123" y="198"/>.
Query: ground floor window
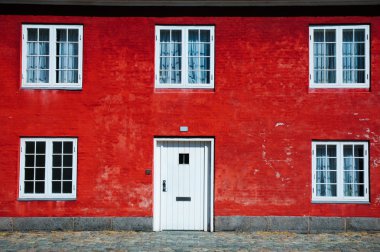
<point x="48" y="168"/>
<point x="340" y="171"/>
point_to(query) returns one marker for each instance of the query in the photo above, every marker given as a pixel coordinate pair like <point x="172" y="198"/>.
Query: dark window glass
<point x="56" y="187"/>
<point x="67" y="160"/>
<point x="40" y="147"/>
<point x="67" y="187"/>
<point x="40" y="174"/>
<point x="40" y="187"/>
<point x="57" y="174"/>
<point x="28" y="187"/>
<point x="183" y="158"/>
<point x="29" y="174"/>
<point x="40" y="160"/>
<point x="68" y="147"/>
<point x="29" y="160"/>
<point x="29" y="147"/>
<point x="57" y="147"/>
<point x="67" y="174"/>
<point x="57" y="160"/>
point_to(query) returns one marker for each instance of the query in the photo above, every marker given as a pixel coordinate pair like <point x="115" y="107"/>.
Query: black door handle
<point x="164" y="185"/>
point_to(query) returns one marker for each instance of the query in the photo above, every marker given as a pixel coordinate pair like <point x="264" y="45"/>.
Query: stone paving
<point x="186" y="241"/>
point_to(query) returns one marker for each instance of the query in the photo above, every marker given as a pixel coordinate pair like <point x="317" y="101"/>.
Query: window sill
<point x="47" y="199"/>
<point x="184" y="90"/>
<point x="313" y="90"/>
<point x="340" y="202"/>
<point x="51" y="87"/>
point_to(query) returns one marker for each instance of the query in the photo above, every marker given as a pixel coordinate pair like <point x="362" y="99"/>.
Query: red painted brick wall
<point x="262" y="114"/>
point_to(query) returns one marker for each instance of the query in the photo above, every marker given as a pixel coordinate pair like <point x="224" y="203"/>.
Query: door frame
<point x="208" y="211"/>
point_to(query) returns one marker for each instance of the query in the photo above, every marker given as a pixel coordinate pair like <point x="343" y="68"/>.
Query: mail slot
<point x="183" y="198"/>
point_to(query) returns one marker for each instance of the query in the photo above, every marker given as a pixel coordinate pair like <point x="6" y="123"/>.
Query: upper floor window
<point x="184" y="57"/>
<point x="339" y="56"/>
<point x="52" y="56"/>
<point x="340" y="172"/>
<point x="48" y="168"/>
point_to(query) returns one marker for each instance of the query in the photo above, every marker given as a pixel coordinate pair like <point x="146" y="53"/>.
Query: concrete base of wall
<point x="296" y="224"/>
<point x="222" y="223"/>
<point x="75" y="223"/>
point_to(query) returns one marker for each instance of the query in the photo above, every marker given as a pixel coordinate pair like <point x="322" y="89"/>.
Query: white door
<point x="184" y="172"/>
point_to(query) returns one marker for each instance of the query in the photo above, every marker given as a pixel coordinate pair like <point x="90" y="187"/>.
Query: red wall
<point x="261" y="80"/>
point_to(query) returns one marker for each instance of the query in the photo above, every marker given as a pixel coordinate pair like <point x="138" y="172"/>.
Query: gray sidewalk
<point x="187" y="241"/>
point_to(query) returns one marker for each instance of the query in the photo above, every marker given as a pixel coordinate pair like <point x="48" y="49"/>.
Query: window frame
<point x="340" y="198"/>
<point x="184" y="57"/>
<point x="48" y="195"/>
<point x="339" y="57"/>
<point x="52" y="84"/>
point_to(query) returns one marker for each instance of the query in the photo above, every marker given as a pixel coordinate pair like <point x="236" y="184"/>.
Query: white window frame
<point x="340" y="198"/>
<point x="184" y="58"/>
<point x="48" y="195"/>
<point x="52" y="84"/>
<point x="339" y="64"/>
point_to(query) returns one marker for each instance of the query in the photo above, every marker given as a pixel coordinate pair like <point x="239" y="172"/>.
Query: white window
<point x="52" y="56"/>
<point x="339" y="56"/>
<point x="184" y="57"/>
<point x="340" y="172"/>
<point x="48" y="168"/>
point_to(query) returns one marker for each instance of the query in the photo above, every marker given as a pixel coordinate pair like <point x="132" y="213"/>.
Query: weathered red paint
<point x="262" y="114"/>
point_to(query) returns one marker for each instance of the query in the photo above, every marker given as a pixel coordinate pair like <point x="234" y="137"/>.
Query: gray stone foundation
<point x="222" y="223"/>
<point x="296" y="224"/>
<point x="75" y="223"/>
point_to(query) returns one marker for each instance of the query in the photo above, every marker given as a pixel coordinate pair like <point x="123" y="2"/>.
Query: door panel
<point x="183" y="166"/>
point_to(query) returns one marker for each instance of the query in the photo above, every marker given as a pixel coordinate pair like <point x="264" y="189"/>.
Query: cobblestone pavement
<point x="186" y="241"/>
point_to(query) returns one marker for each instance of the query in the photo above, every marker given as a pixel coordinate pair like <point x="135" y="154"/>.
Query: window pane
<point x="68" y="147"/>
<point x="165" y="49"/>
<point x="73" y="48"/>
<point x="62" y="35"/>
<point x="32" y="34"/>
<point x="72" y="76"/>
<point x="359" y="63"/>
<point x="321" y="150"/>
<point x="62" y="49"/>
<point x="67" y="160"/>
<point x="193" y="36"/>
<point x="348" y="165"/>
<point x="193" y="63"/>
<point x="57" y="160"/>
<point x="331" y="177"/>
<point x="358" y="190"/>
<point x="164" y="63"/>
<point x="330" y="35"/>
<point x="193" y="77"/>
<point x="164" y="77"/>
<point x="29" y="147"/>
<point x="57" y="147"/>
<point x="57" y="174"/>
<point x="32" y="48"/>
<point x="359" y="76"/>
<point x="193" y="49"/>
<point x="29" y="174"/>
<point x="348" y="35"/>
<point x="56" y="187"/>
<point x="205" y="36"/>
<point x="321" y="163"/>
<point x="205" y="77"/>
<point x="319" y="36"/>
<point x="347" y="150"/>
<point x="359" y="150"/>
<point x="359" y="35"/>
<point x="331" y="164"/>
<point x="348" y="190"/>
<point x="331" y="150"/>
<point x="359" y="164"/>
<point x="321" y="190"/>
<point x="61" y="76"/>
<point x="43" y="76"/>
<point x="204" y="49"/>
<point x="321" y="177"/>
<point x="73" y="35"/>
<point x="348" y="178"/>
<point x="176" y="64"/>
<point x="43" y="35"/>
<point x="40" y="147"/>
<point x="67" y="185"/>
<point x="359" y="177"/>
<point x="40" y="160"/>
<point x="67" y="174"/>
<point x="31" y="76"/>
<point x="32" y="62"/>
<point x="359" y="49"/>
<point x="28" y="187"/>
<point x="40" y="174"/>
<point x="40" y="187"/>
<point x="29" y="160"/>
<point x="176" y="36"/>
<point x="176" y="77"/>
<point x="61" y="63"/>
<point x="319" y="49"/>
<point x="176" y="49"/>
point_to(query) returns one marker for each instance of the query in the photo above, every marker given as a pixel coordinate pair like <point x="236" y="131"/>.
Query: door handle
<point x="164" y="185"/>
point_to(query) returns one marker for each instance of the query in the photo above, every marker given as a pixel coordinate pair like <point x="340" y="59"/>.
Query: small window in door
<point x="184" y="158"/>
